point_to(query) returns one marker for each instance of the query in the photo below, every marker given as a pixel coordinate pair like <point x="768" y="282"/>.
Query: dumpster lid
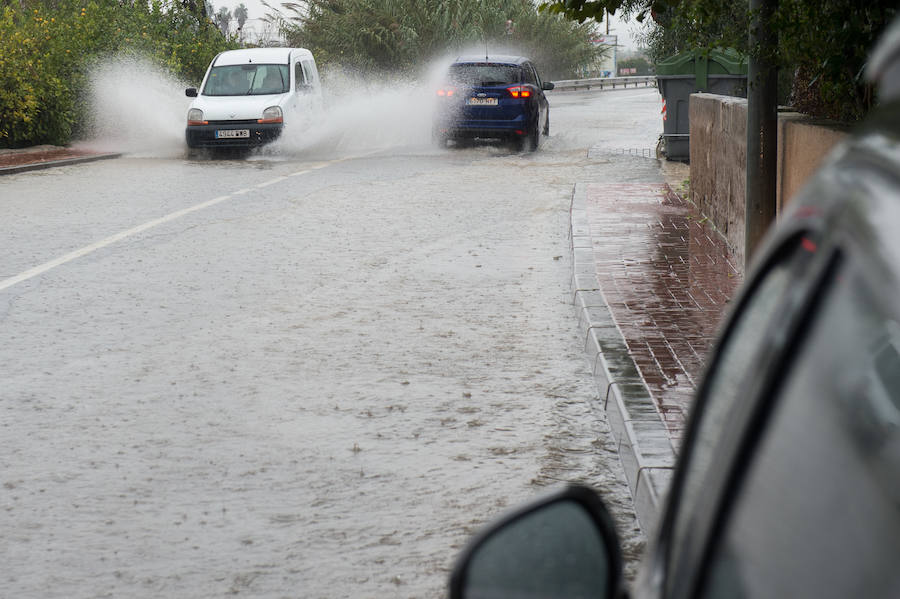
<point x="720" y="61"/>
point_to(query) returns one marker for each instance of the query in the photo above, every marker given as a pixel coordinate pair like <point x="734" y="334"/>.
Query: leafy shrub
<point x="47" y="47"/>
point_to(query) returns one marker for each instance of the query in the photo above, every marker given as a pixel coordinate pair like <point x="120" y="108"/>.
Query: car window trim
<point x="762" y="408"/>
<point x="785" y="248"/>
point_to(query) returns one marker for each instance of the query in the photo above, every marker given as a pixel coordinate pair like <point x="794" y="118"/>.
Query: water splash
<point x="136" y="107"/>
<point x="361" y="114"/>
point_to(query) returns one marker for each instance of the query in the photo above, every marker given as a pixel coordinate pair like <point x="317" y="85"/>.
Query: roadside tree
<point x="405" y="35"/>
<point x="822" y="44"/>
<point x="223" y="20"/>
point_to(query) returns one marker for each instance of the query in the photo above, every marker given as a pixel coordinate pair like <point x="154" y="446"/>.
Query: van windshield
<point x="247" y="80"/>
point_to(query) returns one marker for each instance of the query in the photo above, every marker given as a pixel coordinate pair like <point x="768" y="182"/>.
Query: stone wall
<point x="719" y="164"/>
<point x="719" y="160"/>
<point x="803" y="144"/>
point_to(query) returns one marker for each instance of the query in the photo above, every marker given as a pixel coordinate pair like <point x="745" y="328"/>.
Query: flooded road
<point x="307" y="373"/>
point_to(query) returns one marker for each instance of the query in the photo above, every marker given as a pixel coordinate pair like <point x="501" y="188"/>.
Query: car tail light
<point x="446" y="92"/>
<point x="519" y="91"/>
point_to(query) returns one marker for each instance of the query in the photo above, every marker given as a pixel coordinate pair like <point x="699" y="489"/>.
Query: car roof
<point x="490" y="59"/>
<point x="259" y="55"/>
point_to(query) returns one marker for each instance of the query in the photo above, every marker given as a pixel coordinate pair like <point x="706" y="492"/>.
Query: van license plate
<point x="232" y="133"/>
<point x="481" y="101"/>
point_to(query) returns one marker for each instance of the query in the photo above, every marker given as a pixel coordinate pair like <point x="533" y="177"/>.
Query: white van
<point x="248" y="96"/>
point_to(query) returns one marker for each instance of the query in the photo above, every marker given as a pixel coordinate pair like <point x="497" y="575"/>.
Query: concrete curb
<point x="642" y="438"/>
<point x="34" y="166"/>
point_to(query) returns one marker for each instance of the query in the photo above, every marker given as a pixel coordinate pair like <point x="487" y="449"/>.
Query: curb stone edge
<point x="642" y="438"/>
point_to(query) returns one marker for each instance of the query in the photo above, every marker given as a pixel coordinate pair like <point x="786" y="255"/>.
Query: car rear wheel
<point x="439" y="139"/>
<point x="534" y="137"/>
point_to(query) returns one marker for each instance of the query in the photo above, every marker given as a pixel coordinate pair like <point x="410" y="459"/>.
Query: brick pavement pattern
<point x="667" y="277"/>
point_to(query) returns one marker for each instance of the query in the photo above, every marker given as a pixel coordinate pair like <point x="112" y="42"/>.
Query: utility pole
<point x="762" y="125"/>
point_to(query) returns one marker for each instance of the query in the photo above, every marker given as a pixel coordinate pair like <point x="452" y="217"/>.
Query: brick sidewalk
<point x="667" y="278"/>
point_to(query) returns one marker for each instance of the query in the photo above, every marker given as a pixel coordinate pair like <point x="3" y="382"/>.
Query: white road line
<point x="271" y="182"/>
<point x="42" y="268"/>
<point x="37" y="270"/>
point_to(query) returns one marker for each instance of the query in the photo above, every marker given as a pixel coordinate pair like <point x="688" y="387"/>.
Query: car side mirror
<point x="562" y="545"/>
<point x="304" y="88"/>
<point x="547" y="85"/>
<point x="191" y="92"/>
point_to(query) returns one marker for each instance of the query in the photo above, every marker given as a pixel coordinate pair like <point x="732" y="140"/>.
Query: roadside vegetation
<point x="47" y="48"/>
<point x="822" y="44"/>
<point x="403" y="36"/>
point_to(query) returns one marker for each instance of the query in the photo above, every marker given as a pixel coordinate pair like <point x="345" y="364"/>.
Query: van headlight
<point x="272" y="114"/>
<point x="195" y="117"/>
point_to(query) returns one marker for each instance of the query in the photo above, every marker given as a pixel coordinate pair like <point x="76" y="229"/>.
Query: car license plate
<point x="232" y="133"/>
<point x="481" y="101"/>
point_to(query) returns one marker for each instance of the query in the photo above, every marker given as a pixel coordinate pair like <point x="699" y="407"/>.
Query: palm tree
<point x="223" y="19"/>
<point x="240" y="15"/>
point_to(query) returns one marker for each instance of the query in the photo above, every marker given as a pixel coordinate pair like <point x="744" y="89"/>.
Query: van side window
<point x="718" y="410"/>
<point x="310" y="72"/>
<point x="824" y="478"/>
<point x="299" y="75"/>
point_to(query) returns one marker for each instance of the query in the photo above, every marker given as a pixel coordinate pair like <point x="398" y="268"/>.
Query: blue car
<point x="493" y="97"/>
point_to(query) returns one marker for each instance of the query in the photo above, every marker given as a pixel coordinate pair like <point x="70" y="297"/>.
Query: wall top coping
<point x="720" y="98"/>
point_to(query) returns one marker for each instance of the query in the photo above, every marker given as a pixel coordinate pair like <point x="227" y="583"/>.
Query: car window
<point x="241" y="80"/>
<point x="818" y="514"/>
<point x="309" y="71"/>
<point x="300" y="75"/>
<point x="270" y="79"/>
<point x="484" y="74"/>
<point x="529" y="74"/>
<point x="723" y="397"/>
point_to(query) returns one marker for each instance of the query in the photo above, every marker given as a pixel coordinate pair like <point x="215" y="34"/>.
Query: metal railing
<point x="605" y="83"/>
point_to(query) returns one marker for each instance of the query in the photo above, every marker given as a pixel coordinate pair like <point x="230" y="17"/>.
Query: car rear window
<point x="484" y="74"/>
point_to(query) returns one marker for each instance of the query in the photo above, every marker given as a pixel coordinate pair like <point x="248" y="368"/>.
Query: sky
<point x="256" y="10"/>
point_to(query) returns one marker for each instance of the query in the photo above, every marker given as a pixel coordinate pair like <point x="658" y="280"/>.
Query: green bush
<point x="47" y="48"/>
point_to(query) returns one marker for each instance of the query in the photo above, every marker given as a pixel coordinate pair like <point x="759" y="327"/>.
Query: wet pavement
<point x="661" y="272"/>
<point x="304" y="372"/>
<point x="668" y="277"/>
<point x="652" y="281"/>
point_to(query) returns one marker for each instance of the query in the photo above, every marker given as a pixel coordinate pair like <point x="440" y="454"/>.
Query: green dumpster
<point x="721" y="72"/>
